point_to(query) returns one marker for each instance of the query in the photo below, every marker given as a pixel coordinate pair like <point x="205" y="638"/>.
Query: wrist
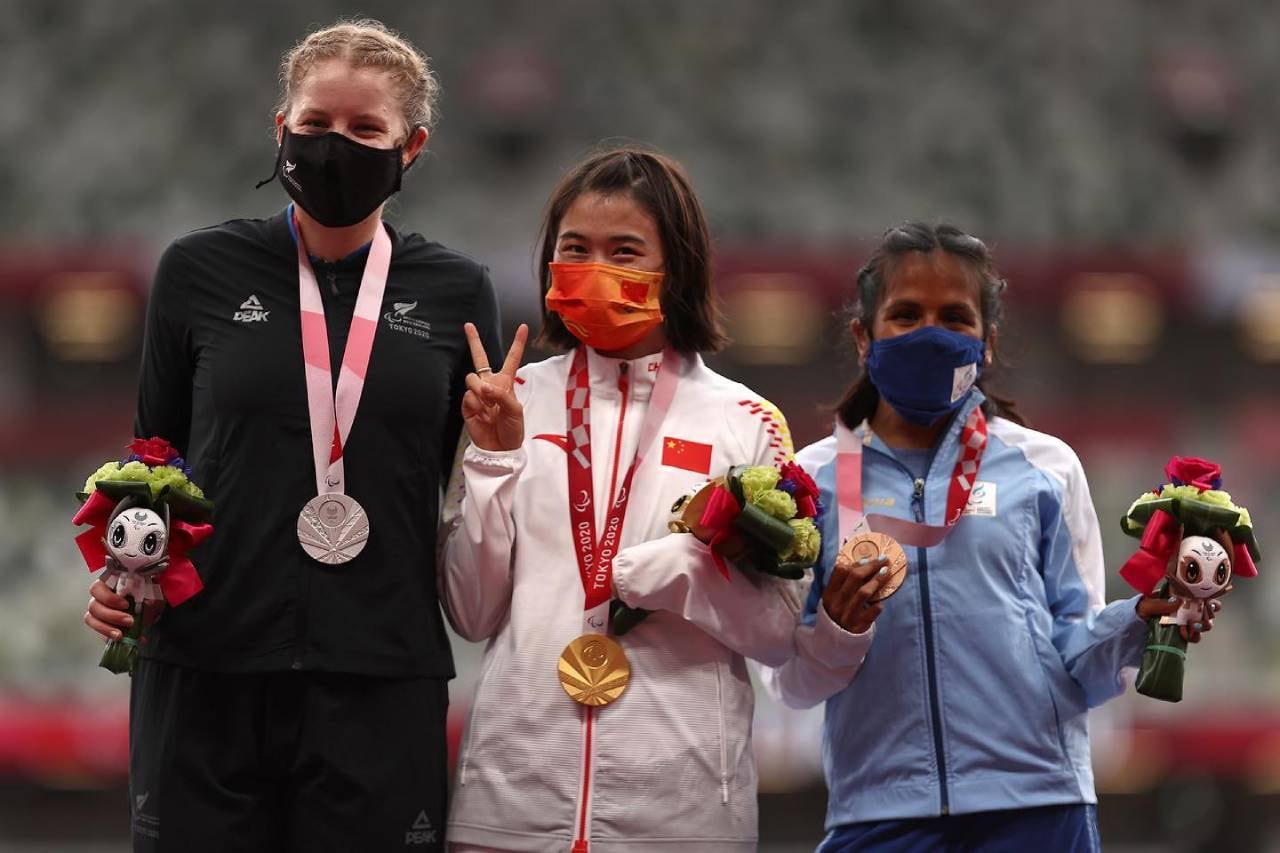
<point x="476" y="457"/>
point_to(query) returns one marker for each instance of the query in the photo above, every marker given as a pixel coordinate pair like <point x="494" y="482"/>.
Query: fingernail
<point x="115" y="635"/>
<point x="1198" y="626"/>
<point x="128" y="620"/>
<point x="863" y="562"/>
<point x="884" y="570"/>
<point x="1173" y="599"/>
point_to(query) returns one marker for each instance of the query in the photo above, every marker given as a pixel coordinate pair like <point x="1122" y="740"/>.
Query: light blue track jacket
<point x="970" y="691"/>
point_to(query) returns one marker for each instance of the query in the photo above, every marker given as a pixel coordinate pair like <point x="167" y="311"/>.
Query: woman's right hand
<point x="490" y="410"/>
<point x="109" y="614"/>
<point x="847" y="598"/>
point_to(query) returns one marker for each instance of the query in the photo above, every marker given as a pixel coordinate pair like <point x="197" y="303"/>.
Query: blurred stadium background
<point x="1120" y="156"/>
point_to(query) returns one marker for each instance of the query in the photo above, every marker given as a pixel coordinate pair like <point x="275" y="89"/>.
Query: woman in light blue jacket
<point x="956" y="709"/>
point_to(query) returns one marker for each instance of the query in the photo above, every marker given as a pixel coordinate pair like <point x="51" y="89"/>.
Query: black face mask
<point x="336" y="180"/>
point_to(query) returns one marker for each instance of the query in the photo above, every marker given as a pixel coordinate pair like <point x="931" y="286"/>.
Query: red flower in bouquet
<point x="804" y="490"/>
<point x="153" y="451"/>
<point x="1194" y="471"/>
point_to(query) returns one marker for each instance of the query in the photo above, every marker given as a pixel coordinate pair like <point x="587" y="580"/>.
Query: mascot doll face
<point x="1204" y="566"/>
<point x="138" y="540"/>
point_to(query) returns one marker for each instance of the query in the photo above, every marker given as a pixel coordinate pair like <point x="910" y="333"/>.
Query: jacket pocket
<point x="999" y="705"/>
<point x="1051" y="677"/>
<point x="669" y="749"/>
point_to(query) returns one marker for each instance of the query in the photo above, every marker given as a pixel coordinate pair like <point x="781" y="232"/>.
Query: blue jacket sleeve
<point x="1096" y="640"/>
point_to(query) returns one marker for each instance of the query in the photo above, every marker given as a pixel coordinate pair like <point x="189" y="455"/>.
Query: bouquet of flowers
<point x="1194" y="540"/>
<point x="144" y="515"/>
<point x="762" y="518"/>
<point x="758" y="516"/>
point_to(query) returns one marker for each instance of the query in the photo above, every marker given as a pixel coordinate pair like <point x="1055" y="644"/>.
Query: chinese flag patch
<point x="689" y="455"/>
<point x="636" y="291"/>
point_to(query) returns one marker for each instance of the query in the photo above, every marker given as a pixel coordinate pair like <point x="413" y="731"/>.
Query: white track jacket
<point x="669" y="765"/>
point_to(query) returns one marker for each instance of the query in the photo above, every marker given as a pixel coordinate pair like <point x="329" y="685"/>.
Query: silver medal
<point x="333" y="528"/>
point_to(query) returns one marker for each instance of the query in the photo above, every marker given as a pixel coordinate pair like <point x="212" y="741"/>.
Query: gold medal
<point x="593" y="670"/>
<point x="871" y="546"/>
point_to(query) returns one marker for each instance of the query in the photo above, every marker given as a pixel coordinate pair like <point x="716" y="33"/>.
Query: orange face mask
<point x="606" y="307"/>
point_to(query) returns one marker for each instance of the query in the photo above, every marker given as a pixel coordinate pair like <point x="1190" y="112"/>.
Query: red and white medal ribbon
<point x="973" y="441"/>
<point x="595" y="556"/>
<point x="332" y="526"/>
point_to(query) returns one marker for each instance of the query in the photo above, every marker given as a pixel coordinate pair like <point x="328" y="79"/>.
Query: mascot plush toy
<point x="1194" y="541"/>
<point x="144" y="515"/>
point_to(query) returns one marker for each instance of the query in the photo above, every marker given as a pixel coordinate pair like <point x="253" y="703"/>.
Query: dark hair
<point x="660" y="186"/>
<point x="861" y="398"/>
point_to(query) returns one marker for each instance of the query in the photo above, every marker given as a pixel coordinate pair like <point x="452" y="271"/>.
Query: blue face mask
<point x="926" y="374"/>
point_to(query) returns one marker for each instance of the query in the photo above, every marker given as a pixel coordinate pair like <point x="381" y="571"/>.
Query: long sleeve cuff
<point x="827" y="659"/>
<point x="1120" y="620"/>
<point x="835" y="646"/>
<point x="494" y="461"/>
<point x="1098" y="649"/>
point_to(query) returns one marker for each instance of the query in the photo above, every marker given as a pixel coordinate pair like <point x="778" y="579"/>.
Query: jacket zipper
<point x="926" y="615"/>
<point x="724" y="747"/>
<point x="581" y="843"/>
<point x="623" y="387"/>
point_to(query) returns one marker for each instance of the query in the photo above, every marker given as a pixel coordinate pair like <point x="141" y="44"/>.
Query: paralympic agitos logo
<point x="398" y="319"/>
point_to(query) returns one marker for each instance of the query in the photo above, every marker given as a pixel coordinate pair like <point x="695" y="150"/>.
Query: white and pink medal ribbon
<point x="973" y="441"/>
<point x="595" y="556"/>
<point x="332" y="526"/>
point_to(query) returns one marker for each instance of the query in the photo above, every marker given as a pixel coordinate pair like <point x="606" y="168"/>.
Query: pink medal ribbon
<point x="332" y="526"/>
<point x="973" y="441"/>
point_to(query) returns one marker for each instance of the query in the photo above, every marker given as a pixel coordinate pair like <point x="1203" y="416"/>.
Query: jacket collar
<point x="948" y="442"/>
<point x="605" y="372"/>
<point x="284" y="238"/>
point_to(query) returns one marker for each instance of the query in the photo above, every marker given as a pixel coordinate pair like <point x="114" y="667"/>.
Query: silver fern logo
<point x="287" y="171"/>
<point x="399" y="319"/>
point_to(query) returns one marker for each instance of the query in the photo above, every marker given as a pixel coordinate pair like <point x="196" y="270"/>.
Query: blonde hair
<point x="366" y="43"/>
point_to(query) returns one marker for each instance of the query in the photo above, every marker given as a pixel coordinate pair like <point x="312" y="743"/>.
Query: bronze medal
<point x="870" y="546"/>
<point x="593" y="670"/>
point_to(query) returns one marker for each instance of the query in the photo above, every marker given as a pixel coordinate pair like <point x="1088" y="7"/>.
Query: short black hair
<point x="659" y="184"/>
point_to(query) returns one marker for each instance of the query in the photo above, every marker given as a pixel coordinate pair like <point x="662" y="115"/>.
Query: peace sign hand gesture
<point x="493" y="415"/>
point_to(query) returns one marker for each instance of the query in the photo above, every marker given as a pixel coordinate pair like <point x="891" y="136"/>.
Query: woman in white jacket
<point x="558" y="515"/>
